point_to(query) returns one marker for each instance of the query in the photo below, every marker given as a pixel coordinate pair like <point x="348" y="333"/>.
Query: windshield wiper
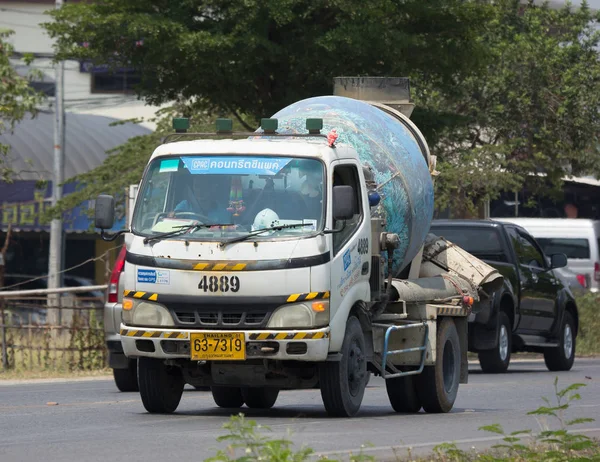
<point x="264" y="230"/>
<point x="182" y="230"/>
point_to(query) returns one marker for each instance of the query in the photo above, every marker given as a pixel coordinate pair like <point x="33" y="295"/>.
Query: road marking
<point x="431" y="443"/>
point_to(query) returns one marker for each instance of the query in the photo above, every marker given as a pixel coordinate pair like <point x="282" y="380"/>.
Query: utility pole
<point x="55" y="259"/>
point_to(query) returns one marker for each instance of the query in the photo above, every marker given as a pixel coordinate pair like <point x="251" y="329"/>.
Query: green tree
<point x="248" y="59"/>
<point x="531" y="118"/>
<point x="17" y="99"/>
<point x="256" y="56"/>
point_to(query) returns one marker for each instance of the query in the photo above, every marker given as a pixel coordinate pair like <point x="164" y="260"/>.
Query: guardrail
<point x="55" y="329"/>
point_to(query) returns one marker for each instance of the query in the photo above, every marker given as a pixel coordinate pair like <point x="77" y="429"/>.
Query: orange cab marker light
<point x="319" y="307"/>
<point x="127" y="304"/>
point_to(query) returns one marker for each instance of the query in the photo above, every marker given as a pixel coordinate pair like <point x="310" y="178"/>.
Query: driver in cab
<point x="206" y="197"/>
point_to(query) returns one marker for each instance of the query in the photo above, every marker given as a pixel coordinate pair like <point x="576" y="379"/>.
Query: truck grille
<point x="223" y="316"/>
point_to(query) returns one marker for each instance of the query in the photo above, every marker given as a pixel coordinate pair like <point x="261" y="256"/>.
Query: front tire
<point x="343" y="383"/>
<point x="126" y="379"/>
<point x="227" y="397"/>
<point x="437" y="386"/>
<point x="562" y="357"/>
<point x="260" y="398"/>
<point x="497" y="359"/>
<point x="161" y="386"/>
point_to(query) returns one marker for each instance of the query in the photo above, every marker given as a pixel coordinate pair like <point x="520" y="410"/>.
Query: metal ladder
<point x="392" y="328"/>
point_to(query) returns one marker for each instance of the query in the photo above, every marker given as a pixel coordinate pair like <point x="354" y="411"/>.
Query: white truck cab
<point x="255" y="265"/>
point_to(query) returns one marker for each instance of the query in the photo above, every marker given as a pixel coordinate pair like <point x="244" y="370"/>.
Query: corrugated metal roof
<point x="87" y="138"/>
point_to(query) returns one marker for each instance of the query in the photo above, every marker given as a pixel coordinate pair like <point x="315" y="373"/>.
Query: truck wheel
<point x="402" y="393"/>
<point x="161" y="386"/>
<point x="343" y="383"/>
<point x="260" y="398"/>
<point x="497" y="359"/>
<point x="437" y="386"/>
<point x="561" y="358"/>
<point x="228" y="397"/>
<point x="126" y="379"/>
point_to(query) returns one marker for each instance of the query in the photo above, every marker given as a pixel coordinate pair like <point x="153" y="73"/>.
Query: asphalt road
<point x="92" y="421"/>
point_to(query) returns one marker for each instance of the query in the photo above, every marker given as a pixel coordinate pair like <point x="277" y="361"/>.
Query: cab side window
<point x="347" y="175"/>
<point x="530" y="255"/>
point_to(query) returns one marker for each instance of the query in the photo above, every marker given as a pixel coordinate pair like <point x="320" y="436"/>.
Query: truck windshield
<point x="234" y="195"/>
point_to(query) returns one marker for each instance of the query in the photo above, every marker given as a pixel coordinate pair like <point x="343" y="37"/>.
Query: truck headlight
<point x="308" y="314"/>
<point x="143" y="313"/>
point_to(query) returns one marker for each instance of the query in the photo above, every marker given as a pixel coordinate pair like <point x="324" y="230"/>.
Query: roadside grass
<point x="39" y="351"/>
<point x="248" y="441"/>
<point x="588" y="338"/>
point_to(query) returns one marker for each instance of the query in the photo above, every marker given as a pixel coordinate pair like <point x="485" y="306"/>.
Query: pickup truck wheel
<point x="437" y="386"/>
<point x="260" y="398"/>
<point x="343" y="383"/>
<point x="561" y="358"/>
<point x="497" y="359"/>
<point x="161" y="386"/>
<point x="402" y="393"/>
<point x="228" y="397"/>
<point x="126" y="379"/>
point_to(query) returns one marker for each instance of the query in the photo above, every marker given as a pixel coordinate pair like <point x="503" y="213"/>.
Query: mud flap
<point x="462" y="329"/>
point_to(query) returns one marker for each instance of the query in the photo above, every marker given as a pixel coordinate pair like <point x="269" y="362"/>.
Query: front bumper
<point x="299" y="345"/>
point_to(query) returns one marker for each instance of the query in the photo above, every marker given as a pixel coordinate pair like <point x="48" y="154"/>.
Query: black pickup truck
<point x="534" y="311"/>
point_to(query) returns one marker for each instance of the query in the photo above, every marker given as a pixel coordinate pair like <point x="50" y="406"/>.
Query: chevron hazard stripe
<point x="141" y="295"/>
<point x="452" y="311"/>
<point x="288" y="336"/>
<point x="309" y="296"/>
<point x="153" y="334"/>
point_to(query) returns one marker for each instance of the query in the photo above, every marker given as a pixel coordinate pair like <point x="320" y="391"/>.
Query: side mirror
<point x="104" y="212"/>
<point x="558" y="260"/>
<point x="343" y="202"/>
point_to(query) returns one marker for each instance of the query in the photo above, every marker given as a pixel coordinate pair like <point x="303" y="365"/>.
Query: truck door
<point x="527" y="288"/>
<point x="351" y="249"/>
<point x="545" y="285"/>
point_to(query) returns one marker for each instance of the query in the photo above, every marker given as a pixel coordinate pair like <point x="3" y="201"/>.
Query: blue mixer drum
<point x="393" y="148"/>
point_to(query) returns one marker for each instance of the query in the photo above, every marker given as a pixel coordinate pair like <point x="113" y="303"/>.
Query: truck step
<point x="384" y="359"/>
<point x="390" y="317"/>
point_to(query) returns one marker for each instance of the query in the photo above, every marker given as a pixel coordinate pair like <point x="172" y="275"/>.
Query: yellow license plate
<point x="212" y="346"/>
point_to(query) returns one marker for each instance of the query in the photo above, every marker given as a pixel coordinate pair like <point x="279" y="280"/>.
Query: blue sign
<point x="347" y="259"/>
<point x="150" y="276"/>
<point x="235" y="165"/>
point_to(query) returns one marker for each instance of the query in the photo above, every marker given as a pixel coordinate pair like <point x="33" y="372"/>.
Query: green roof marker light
<point x="269" y="125"/>
<point x="181" y="124"/>
<point x="224" y="125"/>
<point x="314" y="126"/>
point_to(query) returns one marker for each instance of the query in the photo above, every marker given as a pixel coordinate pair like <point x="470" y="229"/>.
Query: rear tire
<point x="562" y="357"/>
<point x="402" y="392"/>
<point x="161" y="386"/>
<point x="437" y="386"/>
<point x="260" y="398"/>
<point x="227" y="397"/>
<point x="343" y="383"/>
<point x="126" y="379"/>
<point x="497" y="359"/>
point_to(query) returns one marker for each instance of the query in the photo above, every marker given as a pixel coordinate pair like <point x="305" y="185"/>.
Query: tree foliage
<point x="254" y="57"/>
<point x="531" y="117"/>
<point x="17" y="99"/>
<point x="248" y="59"/>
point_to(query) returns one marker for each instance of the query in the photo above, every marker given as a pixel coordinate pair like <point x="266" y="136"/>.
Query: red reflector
<point x="113" y="283"/>
<point x="582" y="281"/>
<point x="596" y="271"/>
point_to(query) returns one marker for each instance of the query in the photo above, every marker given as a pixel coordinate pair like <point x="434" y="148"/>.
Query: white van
<point x="577" y="238"/>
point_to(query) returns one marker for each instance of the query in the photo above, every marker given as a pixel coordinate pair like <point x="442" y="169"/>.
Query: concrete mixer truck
<point x="297" y="256"/>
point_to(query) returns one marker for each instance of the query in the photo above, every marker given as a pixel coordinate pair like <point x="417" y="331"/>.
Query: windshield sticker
<point x="168" y="165"/>
<point x="235" y="165"/>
